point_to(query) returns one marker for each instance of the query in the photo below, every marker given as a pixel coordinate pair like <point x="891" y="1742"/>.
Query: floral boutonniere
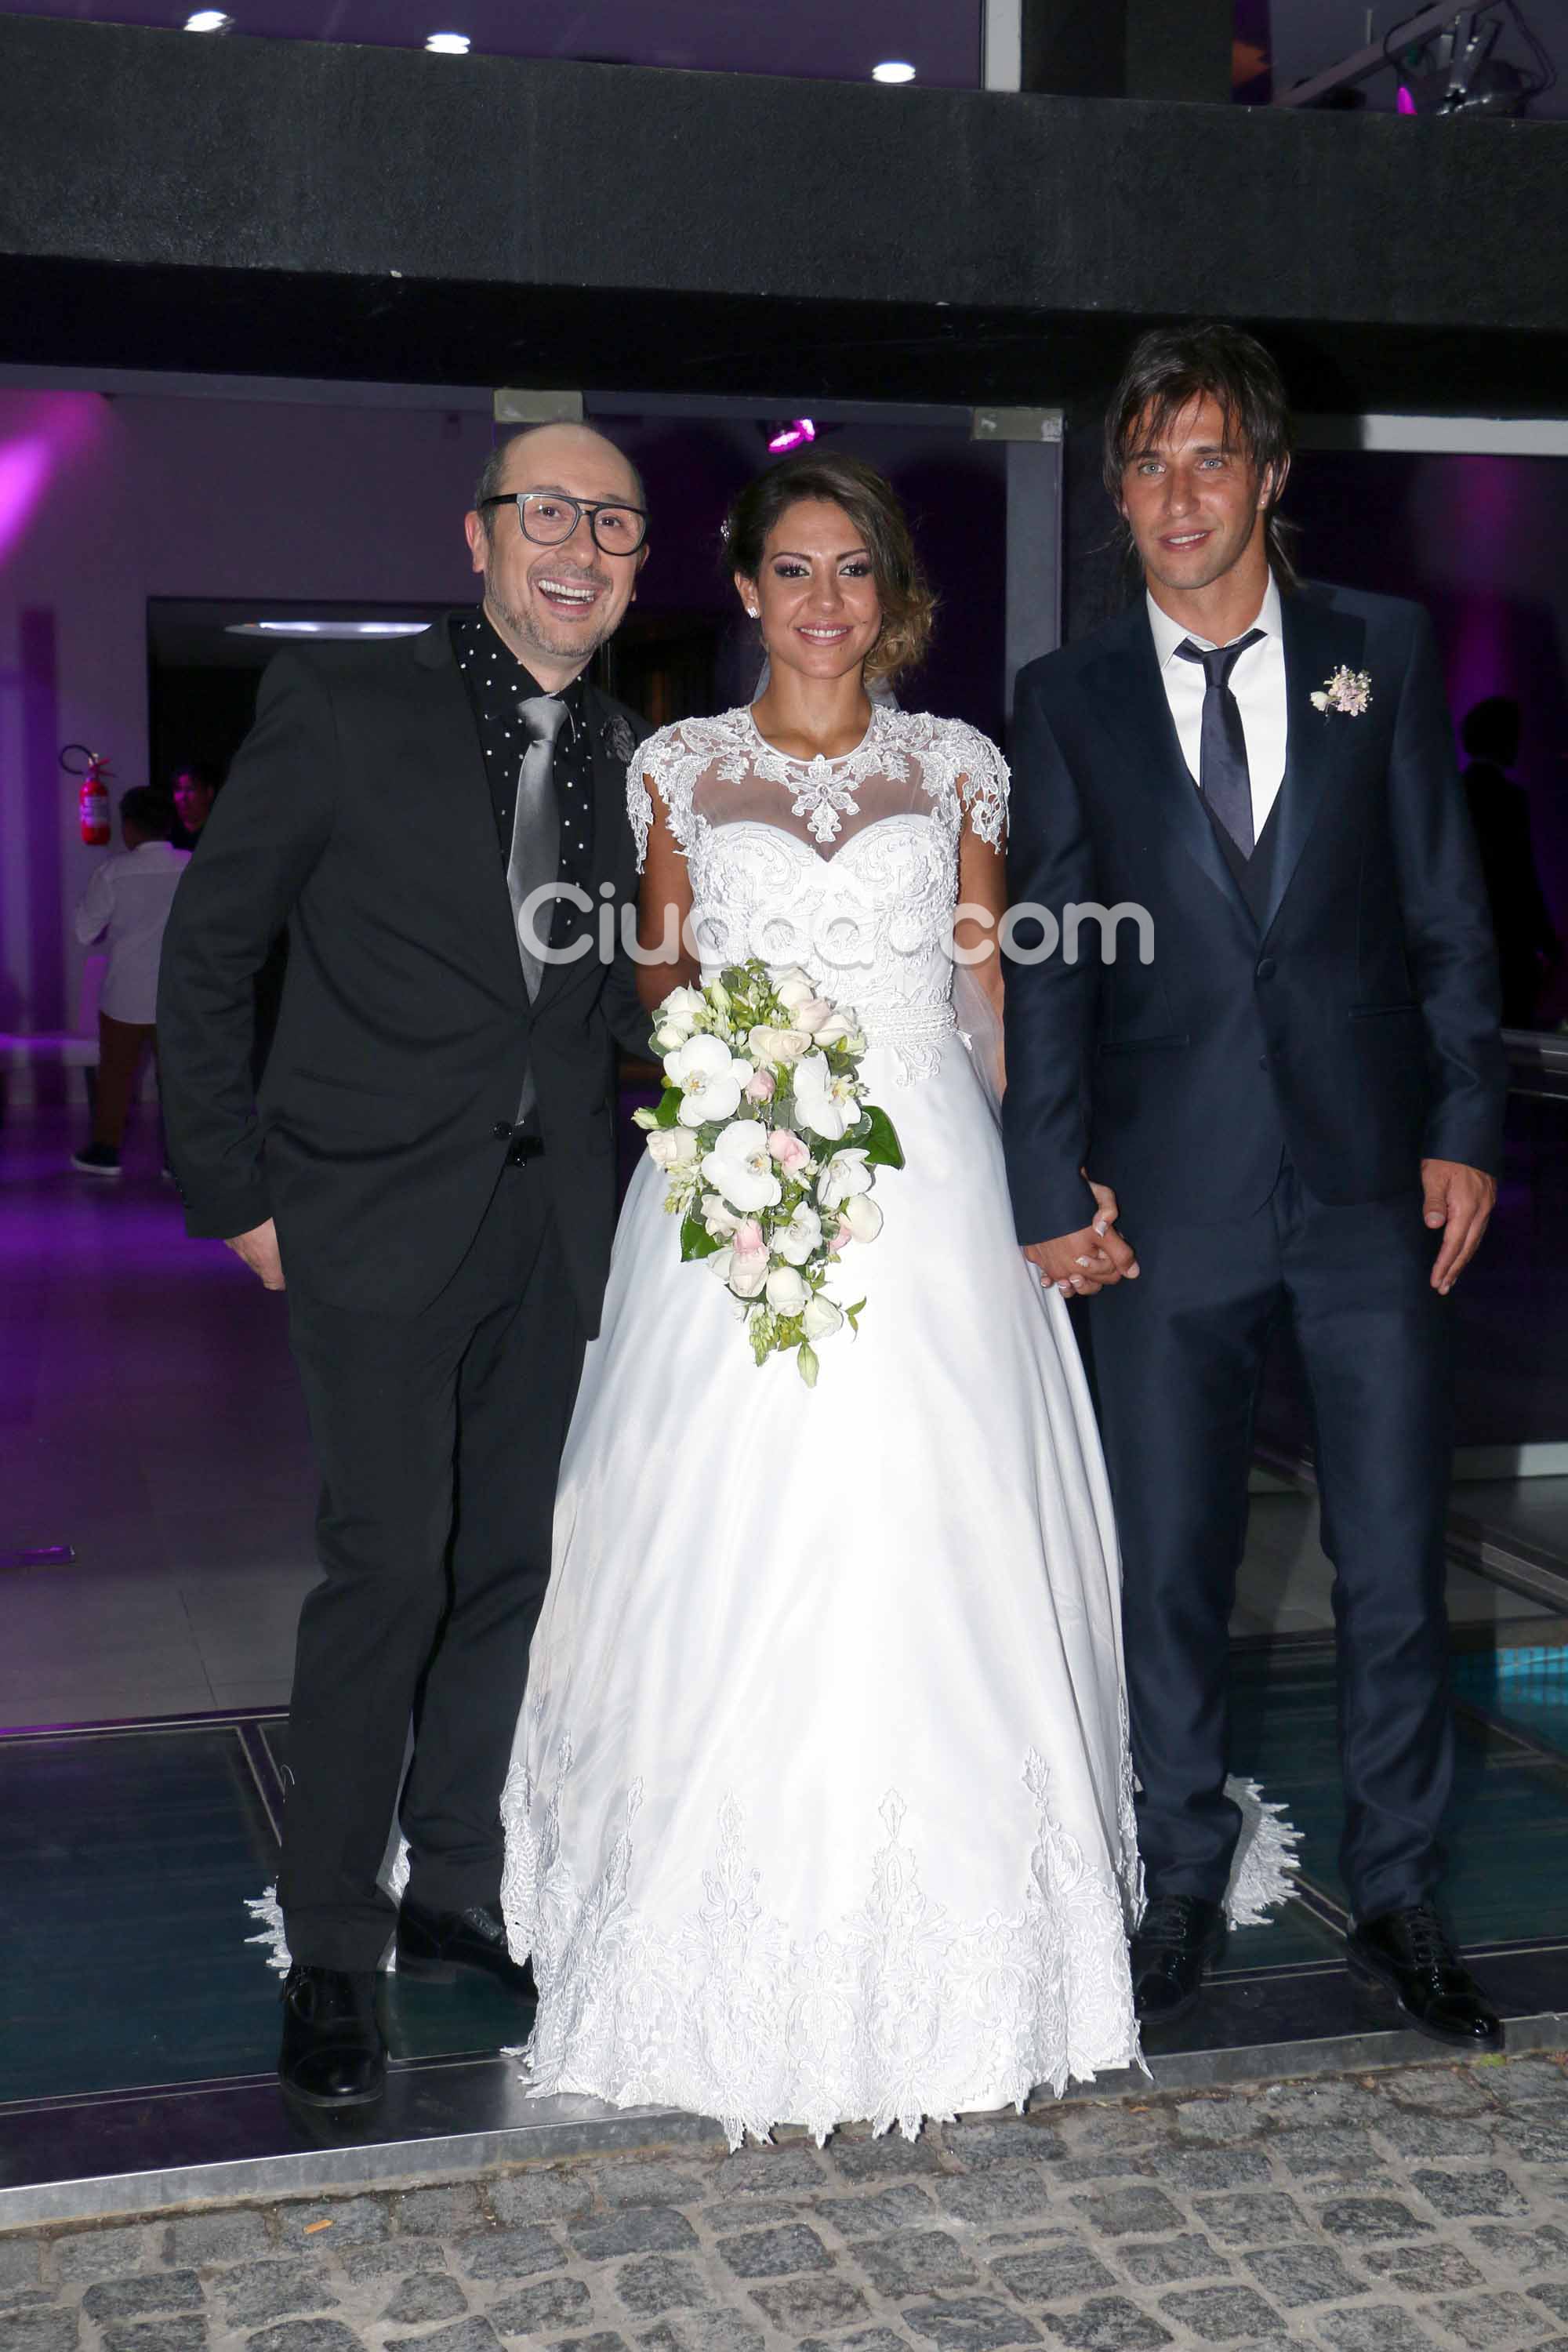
<point x="1349" y="690"/>
<point x="618" y="739"/>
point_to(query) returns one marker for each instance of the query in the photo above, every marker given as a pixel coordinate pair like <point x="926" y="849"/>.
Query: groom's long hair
<point x="1171" y="366"/>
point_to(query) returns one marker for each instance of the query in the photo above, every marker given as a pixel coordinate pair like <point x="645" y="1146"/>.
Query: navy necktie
<point x="1223" y="778"/>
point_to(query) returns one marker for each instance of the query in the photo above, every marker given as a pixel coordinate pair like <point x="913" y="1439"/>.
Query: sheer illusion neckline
<point x="818" y="759"/>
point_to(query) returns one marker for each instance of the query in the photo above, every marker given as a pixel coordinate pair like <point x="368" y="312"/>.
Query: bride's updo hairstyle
<point x="874" y="508"/>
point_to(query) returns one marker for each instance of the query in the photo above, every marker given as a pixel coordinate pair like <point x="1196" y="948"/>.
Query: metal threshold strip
<point x="218" y="2143"/>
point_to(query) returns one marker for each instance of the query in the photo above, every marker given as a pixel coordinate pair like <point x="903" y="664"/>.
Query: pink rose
<point x="761" y="1088"/>
<point x="748" y="1237"/>
<point x="749" y="1268"/>
<point x="841" y="1240"/>
<point x="788" y="1150"/>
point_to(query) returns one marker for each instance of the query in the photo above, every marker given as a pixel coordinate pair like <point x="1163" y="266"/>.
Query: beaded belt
<point x="901" y="1024"/>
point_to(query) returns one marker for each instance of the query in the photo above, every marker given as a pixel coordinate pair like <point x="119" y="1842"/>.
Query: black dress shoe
<point x="438" y="1945"/>
<point x="1172" y="1945"/>
<point x="1408" y="1954"/>
<point x="333" y="2054"/>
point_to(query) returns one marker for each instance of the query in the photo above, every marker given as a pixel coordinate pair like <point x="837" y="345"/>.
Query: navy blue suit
<point x="1260" y="1093"/>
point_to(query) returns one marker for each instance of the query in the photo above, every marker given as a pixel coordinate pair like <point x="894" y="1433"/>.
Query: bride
<point x="820" y="1806"/>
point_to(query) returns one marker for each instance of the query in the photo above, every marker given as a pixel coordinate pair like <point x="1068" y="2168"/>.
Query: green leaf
<point x="879" y="1138"/>
<point x="667" y="1113"/>
<point x="696" y="1241"/>
<point x="852" y="1315"/>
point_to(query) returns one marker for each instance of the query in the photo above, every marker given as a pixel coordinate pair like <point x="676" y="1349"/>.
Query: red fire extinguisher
<point x="92" y="804"/>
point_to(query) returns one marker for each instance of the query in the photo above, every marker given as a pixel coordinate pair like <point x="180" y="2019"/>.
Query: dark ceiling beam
<point x="277" y="207"/>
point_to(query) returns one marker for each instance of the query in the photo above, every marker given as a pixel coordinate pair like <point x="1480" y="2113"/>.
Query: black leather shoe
<point x="333" y="2054"/>
<point x="1408" y="1954"/>
<point x="438" y="1944"/>
<point x="1173" y="1944"/>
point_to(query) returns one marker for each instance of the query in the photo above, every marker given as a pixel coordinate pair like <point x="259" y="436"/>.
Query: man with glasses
<point x="431" y="1170"/>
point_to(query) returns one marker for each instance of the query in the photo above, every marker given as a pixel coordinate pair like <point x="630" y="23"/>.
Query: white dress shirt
<point x="1258" y="682"/>
<point x="130" y="898"/>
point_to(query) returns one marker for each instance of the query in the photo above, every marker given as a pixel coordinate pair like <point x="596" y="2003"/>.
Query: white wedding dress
<point x="821" y="1806"/>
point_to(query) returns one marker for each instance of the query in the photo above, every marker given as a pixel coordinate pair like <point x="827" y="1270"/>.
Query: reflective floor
<point x="149" y="1424"/>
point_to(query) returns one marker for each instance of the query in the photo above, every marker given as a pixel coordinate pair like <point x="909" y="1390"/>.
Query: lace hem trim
<point x="268" y="1913"/>
<point x="1261" y="1876"/>
<point x="898" y="2013"/>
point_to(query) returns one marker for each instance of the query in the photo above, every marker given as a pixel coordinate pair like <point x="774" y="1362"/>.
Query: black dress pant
<point x="1177" y="1359"/>
<point x="438" y="1436"/>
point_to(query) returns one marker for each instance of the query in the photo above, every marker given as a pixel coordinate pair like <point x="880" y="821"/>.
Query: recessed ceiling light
<point x="893" y="70"/>
<point x="447" y="44"/>
<point x="794" y="434"/>
<point x="209" y="20"/>
<point x="326" y="629"/>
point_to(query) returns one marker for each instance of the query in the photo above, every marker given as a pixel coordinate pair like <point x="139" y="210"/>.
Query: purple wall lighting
<point x="50" y="429"/>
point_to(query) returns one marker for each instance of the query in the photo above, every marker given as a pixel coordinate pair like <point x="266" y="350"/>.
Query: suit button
<point x="1267" y="968"/>
<point x="502" y="1129"/>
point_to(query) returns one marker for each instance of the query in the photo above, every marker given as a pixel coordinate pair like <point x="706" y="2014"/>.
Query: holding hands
<point x="1079" y="1265"/>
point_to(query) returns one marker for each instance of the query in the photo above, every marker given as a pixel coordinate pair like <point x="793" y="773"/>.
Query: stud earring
<point x="752" y="614"/>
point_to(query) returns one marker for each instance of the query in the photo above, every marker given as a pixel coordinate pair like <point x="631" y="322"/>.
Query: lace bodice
<point x="847" y="868"/>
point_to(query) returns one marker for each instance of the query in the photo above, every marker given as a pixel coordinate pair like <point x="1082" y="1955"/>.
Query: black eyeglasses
<point x="549" y="518"/>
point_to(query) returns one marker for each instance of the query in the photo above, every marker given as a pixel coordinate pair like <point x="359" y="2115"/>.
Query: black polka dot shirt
<point x="496" y="682"/>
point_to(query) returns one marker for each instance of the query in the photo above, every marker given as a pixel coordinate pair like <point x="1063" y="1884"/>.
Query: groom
<point x="431" y="1166"/>
<point x="1298" y="1100"/>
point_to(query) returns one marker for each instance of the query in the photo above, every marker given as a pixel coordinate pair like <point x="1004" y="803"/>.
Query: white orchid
<point x="787" y="1291"/>
<point x="801" y="1238"/>
<point x="828" y="1106"/>
<point x="741" y="1169"/>
<point x="844" y="1175"/>
<point x="718" y="1217"/>
<point x="709" y="1078"/>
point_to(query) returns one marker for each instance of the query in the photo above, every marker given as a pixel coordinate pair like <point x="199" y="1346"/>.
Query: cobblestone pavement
<point x="1380" y="2213"/>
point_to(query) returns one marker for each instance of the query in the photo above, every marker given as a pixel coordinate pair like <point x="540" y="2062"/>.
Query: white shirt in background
<point x="130" y="898"/>
<point x="1258" y="682"/>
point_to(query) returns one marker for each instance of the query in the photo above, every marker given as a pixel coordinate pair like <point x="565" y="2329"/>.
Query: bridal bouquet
<point x="768" y="1144"/>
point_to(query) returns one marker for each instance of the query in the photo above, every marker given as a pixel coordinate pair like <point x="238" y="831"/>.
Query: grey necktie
<point x="535" y="857"/>
<point x="1224" y="779"/>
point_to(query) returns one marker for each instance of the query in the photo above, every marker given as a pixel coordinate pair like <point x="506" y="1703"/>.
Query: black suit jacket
<point x="1353" y="1022"/>
<point x="358" y="814"/>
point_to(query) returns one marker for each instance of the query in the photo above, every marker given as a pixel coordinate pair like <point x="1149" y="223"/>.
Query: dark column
<point x="1099" y="578"/>
<point x="1130" y="48"/>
